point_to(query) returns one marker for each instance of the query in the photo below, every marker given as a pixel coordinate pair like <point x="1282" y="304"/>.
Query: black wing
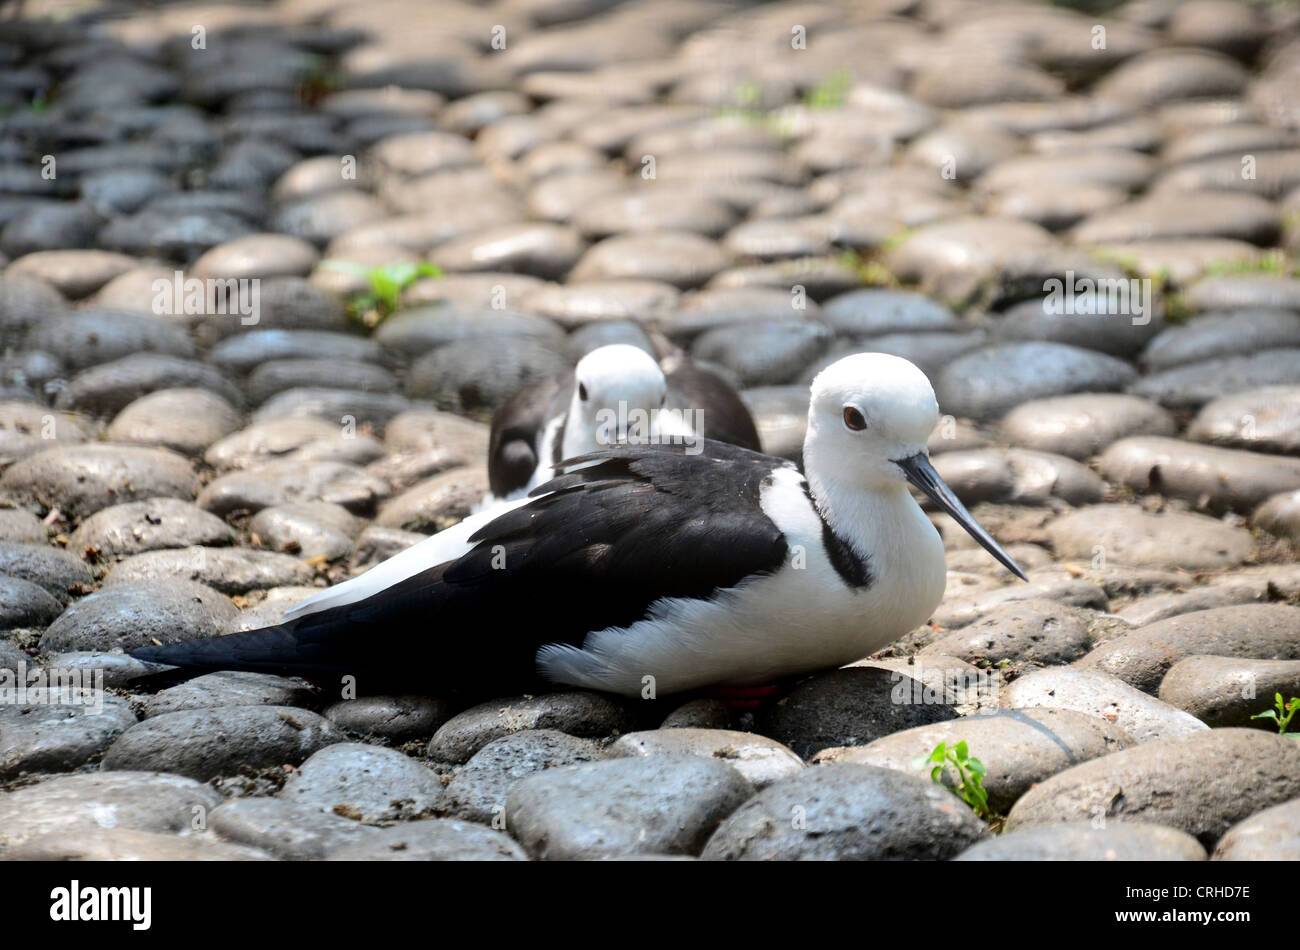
<point x="513" y="449"/>
<point x="726" y="417"/>
<point x="604" y="543"/>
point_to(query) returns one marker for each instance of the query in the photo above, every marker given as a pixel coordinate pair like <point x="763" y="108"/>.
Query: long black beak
<point x="921" y="473"/>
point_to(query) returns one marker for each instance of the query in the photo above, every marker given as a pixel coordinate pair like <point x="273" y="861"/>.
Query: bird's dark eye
<point x="582" y="391"/>
<point x="853" y="419"/>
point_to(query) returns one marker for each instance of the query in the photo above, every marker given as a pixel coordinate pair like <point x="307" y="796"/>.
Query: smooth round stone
<point x="1236" y="30"/>
<point x="365" y="783"/>
<point x="24" y="303"/>
<point x="874" y="312"/>
<point x="1211" y="477"/>
<point x="206" y="743"/>
<point x="300" y="440"/>
<point x="1108" y="168"/>
<point x="1242" y="217"/>
<point x="1128" y="535"/>
<point x="1163" y="606"/>
<point x="1018" y="476"/>
<point x="310" y="530"/>
<point x="1193" y="385"/>
<point x="319" y="218"/>
<point x="350" y="408"/>
<point x="951" y="258"/>
<point x="1263" y="420"/>
<point x="564" y="195"/>
<point x="97" y="335"/>
<point x="971" y="147"/>
<point x="422" y="329"/>
<point x="397" y="718"/>
<point x="1142" y="717"/>
<point x="180" y="234"/>
<point x="318" y="175"/>
<point x="847" y="812"/>
<point x="1280" y="515"/>
<point x="1019" y="747"/>
<point x="27" y="428"/>
<point x="130" y="615"/>
<point x="59" y="729"/>
<point x="1250" y="631"/>
<point x="989" y="382"/>
<point x="422" y="153"/>
<point x="701" y="713"/>
<point x="124" y="190"/>
<point x="228" y="688"/>
<point x="292" y="481"/>
<point x="1223" y="334"/>
<point x="1244" y="292"/>
<point x="257" y="256"/>
<point x="766" y="354"/>
<point x="478" y="291"/>
<point x="57" y="571"/>
<point x="1269" y="835"/>
<point x="1084" y="841"/>
<point x="959" y="611"/>
<point x="1227" y="691"/>
<point x="1162" y="76"/>
<point x="850" y="707"/>
<point x="186" y="420"/>
<point x="1045" y="203"/>
<point x="287" y="830"/>
<point x="436" y="503"/>
<point x="278" y="375"/>
<point x="663" y="804"/>
<point x="75" y="274"/>
<point x="377" y="544"/>
<point x="77" y="806"/>
<point x="107" y="389"/>
<point x="482" y="373"/>
<point x="1028" y="631"/>
<point x="1082" y="425"/>
<point x="24" y="604"/>
<point x="972" y="81"/>
<point x="50" y="227"/>
<point x="1203" y="784"/>
<point x="440" y="839"/>
<point x="148" y="525"/>
<point x="126" y="844"/>
<point x="705" y="310"/>
<point x="582" y="714"/>
<point x="543" y="250"/>
<point x="428" y="430"/>
<point x="292" y="303"/>
<point x="774" y="238"/>
<point x="761" y="761"/>
<point x="244" y="352"/>
<point x="479" y="790"/>
<point x="655" y="208"/>
<point x="81" y="479"/>
<point x="229" y="570"/>
<point x="1111" y="325"/>
<point x="820" y="277"/>
<point x="679" y="258"/>
<point x="1276" y="173"/>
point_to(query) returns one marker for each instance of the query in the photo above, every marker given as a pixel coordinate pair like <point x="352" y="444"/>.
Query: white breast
<point x="800" y="619"/>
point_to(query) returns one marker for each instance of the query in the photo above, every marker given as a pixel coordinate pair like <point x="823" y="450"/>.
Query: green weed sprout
<point x="387" y="281"/>
<point x="970" y="770"/>
<point x="1281" y="714"/>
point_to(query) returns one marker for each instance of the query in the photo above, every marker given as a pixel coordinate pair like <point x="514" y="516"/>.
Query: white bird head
<point x="869" y="419"/>
<point x="617" y="379"/>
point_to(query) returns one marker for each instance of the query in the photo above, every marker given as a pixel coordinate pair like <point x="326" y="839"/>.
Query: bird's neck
<point x="864" y="517"/>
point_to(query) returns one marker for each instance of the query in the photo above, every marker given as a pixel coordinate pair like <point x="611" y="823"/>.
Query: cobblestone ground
<point x="1081" y="225"/>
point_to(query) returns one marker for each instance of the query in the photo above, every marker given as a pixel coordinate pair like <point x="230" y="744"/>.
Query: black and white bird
<point x="646" y="565"/>
<point x="616" y="393"/>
